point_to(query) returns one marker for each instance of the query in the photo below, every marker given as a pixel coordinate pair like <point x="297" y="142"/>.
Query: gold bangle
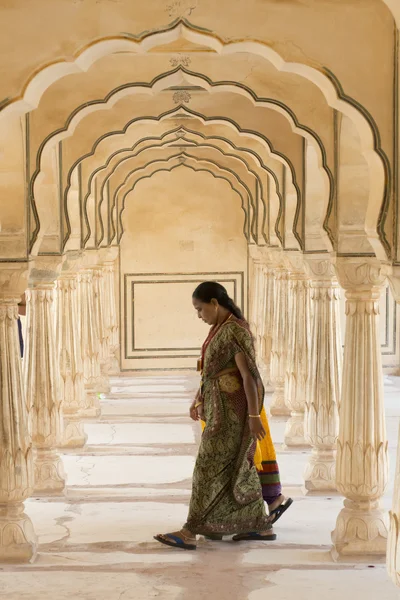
<point x="254" y="416"/>
<point x="198" y="404"/>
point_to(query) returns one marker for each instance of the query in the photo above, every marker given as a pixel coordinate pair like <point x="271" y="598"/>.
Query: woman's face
<point x="206" y="311"/>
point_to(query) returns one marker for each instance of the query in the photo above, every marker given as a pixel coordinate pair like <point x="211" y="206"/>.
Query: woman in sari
<point x="227" y="494"/>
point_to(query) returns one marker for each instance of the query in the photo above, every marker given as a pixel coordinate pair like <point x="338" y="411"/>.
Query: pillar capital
<point x="108" y="255"/>
<point x="44" y="270"/>
<point x="297" y="265"/>
<point x="361" y="273"/>
<point x="90" y="258"/>
<point x="255" y="252"/>
<point x="71" y="265"/>
<point x="13" y="280"/>
<point x="320" y="267"/>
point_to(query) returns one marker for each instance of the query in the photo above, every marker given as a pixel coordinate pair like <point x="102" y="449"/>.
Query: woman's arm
<point x="250" y="388"/>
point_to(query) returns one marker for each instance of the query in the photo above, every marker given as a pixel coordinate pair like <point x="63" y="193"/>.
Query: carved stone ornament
<point x="180" y="59"/>
<point x="181" y="96"/>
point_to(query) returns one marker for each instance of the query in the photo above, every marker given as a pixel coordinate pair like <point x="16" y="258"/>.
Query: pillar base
<point x="49" y="473"/>
<point x="103" y="384"/>
<point x="278" y="407"/>
<point x="320" y="472"/>
<point x="361" y="533"/>
<point x="92" y="409"/>
<point x="294" y="432"/>
<point x="74" y="432"/>
<point x="393" y="549"/>
<point x="18" y="541"/>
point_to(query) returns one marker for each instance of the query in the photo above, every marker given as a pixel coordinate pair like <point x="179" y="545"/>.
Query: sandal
<point x="175" y="541"/>
<point x="279" y="510"/>
<point x="254" y="535"/>
<point x="214" y="537"/>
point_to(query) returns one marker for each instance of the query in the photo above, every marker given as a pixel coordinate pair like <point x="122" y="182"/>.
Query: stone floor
<point x="133" y="480"/>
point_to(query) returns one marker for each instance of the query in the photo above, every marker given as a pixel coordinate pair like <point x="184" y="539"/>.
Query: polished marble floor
<point x="133" y="480"/>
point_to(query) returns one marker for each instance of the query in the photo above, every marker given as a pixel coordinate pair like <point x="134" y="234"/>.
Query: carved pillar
<point x="279" y="342"/>
<point x="41" y="375"/>
<point x="324" y="378"/>
<point x="18" y="542"/>
<point x="90" y="346"/>
<point x="102" y="318"/>
<point x="393" y="547"/>
<point x="254" y="293"/>
<point x="68" y="350"/>
<point x="267" y="323"/>
<point x="113" y="328"/>
<point x="298" y="352"/>
<point x="362" y="461"/>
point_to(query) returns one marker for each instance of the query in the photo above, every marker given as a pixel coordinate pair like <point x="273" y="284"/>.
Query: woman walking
<point x="227" y="495"/>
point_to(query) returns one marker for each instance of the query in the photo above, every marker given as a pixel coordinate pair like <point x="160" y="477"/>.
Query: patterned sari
<point x="227" y="495"/>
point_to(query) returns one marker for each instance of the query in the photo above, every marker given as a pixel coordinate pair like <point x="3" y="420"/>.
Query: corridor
<point x="133" y="480"/>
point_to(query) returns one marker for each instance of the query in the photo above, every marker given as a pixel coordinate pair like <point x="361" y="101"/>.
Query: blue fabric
<point x="21" y="339"/>
<point x="176" y="539"/>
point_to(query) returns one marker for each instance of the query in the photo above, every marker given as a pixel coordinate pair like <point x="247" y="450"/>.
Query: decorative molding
<point x="180" y="59"/>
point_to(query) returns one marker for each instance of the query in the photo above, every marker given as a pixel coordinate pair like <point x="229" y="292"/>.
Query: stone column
<point x="41" y="375"/>
<point x="102" y="317"/>
<point x="324" y="378"/>
<point x="90" y="346"/>
<point x="113" y="328"/>
<point x="254" y="293"/>
<point x="362" y="459"/>
<point x="298" y="351"/>
<point x="18" y="542"/>
<point x="74" y="401"/>
<point x="267" y="320"/>
<point x="279" y="341"/>
<point x="393" y="547"/>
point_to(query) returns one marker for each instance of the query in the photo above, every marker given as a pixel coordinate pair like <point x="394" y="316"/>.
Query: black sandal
<point x="254" y="535"/>
<point x="279" y="510"/>
<point x="175" y="541"/>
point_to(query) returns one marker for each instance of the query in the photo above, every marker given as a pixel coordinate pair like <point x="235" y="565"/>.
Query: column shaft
<point x="323" y="389"/>
<point x="74" y="400"/>
<point x="279" y="343"/>
<point x="298" y="358"/>
<point x="43" y="390"/>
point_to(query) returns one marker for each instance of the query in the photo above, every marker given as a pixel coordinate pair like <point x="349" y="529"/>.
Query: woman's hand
<point x="256" y="428"/>
<point x="200" y="412"/>
<point x="196" y="412"/>
<point x="193" y="410"/>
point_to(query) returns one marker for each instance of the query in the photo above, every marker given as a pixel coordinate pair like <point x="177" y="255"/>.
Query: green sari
<point x="227" y="495"/>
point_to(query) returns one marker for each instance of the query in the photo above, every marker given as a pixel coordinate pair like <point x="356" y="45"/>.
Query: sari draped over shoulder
<point x="227" y="495"/>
